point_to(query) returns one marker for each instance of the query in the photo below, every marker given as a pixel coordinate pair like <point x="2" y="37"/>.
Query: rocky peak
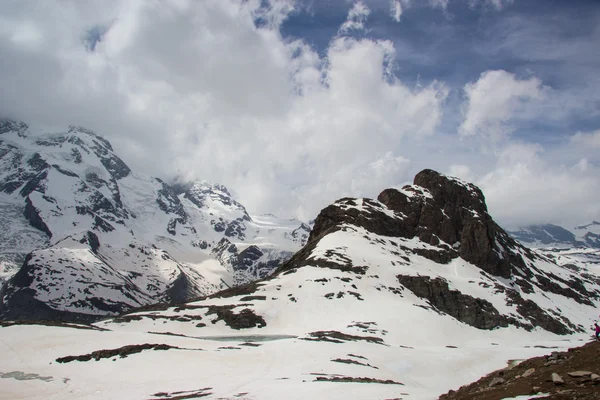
<point x="441" y="211"/>
<point x="446" y="212"/>
<point x="589" y="234"/>
<point x="8" y="125"/>
<point x="207" y="195"/>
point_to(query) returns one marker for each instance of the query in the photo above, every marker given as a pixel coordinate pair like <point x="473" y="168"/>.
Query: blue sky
<point x="455" y="44"/>
<point x="293" y="104"/>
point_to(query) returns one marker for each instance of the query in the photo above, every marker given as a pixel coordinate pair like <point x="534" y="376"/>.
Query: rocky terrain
<point x="83" y="236"/>
<point x="560" y="375"/>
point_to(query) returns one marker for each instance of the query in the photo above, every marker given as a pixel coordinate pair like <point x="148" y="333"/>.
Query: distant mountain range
<point x="82" y="235"/>
<point x="554" y="236"/>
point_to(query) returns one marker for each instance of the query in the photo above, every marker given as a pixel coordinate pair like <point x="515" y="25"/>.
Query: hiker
<point x="597" y="329"/>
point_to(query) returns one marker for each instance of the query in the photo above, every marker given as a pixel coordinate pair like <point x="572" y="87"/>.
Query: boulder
<point x="557" y="379"/>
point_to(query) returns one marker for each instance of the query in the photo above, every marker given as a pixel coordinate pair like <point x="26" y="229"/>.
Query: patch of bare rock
<point x="339" y="337"/>
<point x="349" y="379"/>
<point x="123" y="352"/>
<point x="180" y="395"/>
<point x="569" y="375"/>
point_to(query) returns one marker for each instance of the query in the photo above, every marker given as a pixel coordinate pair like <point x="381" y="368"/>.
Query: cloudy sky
<point x="293" y="104"/>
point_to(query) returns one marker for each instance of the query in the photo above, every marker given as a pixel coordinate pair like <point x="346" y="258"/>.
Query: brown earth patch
<point x="535" y="376"/>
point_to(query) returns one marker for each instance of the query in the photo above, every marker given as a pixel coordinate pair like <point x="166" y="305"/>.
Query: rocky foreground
<point x="573" y="374"/>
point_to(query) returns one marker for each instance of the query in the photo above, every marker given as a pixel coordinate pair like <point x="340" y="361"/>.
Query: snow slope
<point x="91" y="237"/>
<point x="406" y="296"/>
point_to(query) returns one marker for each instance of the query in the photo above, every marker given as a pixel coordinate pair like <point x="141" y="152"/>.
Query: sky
<point x="294" y="104"/>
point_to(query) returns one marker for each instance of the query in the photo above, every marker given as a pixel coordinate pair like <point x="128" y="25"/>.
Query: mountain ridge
<point x="111" y="239"/>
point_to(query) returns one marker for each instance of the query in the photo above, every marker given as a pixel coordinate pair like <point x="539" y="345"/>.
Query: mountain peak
<point x="9" y="125"/>
<point x="213" y="195"/>
<point x="78" y="130"/>
<point x="447" y="189"/>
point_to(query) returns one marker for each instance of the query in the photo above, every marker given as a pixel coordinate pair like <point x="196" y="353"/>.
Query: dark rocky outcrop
<point x="121" y="352"/>
<point x="245" y="319"/>
<point x="92" y="239"/>
<point x="472" y="311"/>
<point x="33" y="216"/>
<point x="446" y="210"/>
<point x="340" y="337"/>
<point x="23" y="306"/>
<point x="168" y="201"/>
<point x="182" y="290"/>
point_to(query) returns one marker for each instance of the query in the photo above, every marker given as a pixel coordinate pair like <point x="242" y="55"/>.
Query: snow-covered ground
<point x="425" y="365"/>
<point x="305" y="328"/>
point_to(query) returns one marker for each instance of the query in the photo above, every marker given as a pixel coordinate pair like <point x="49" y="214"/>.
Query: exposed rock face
<point x="33" y="216"/>
<point x="475" y="312"/>
<point x="249" y="264"/>
<point x="441" y="209"/>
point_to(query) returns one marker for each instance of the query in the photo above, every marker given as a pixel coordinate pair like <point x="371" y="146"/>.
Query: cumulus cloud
<point x="494" y="99"/>
<point x="527" y="188"/>
<point x="357" y="16"/>
<point x="211" y="90"/>
<point x="587" y="139"/>
<point x="461" y="171"/>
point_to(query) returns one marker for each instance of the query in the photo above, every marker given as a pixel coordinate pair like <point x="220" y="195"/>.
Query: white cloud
<point x="388" y="168"/>
<point x="589" y="139"/>
<point x="461" y="171"/>
<point x="397" y="8"/>
<point x="357" y="16"/>
<point x="494" y="99"/>
<point x="527" y="188"/>
<point x="196" y="89"/>
<point x="443" y="4"/>
<point x="497" y="4"/>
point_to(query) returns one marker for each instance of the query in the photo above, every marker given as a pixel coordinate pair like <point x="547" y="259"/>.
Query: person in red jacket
<point x="597" y="329"/>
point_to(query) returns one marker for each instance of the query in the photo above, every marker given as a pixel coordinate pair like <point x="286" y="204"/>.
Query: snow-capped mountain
<point x="90" y="237"/>
<point x="557" y="237"/>
<point x="410" y="295"/>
